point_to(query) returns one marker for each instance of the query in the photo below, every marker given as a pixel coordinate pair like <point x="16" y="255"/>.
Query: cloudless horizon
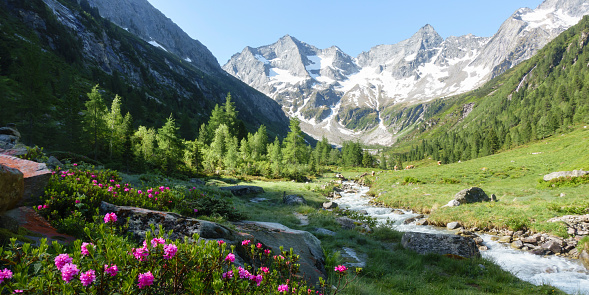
<point x="227" y="27"/>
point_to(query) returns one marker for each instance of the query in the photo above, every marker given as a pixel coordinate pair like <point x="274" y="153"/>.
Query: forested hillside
<point x="50" y="58"/>
<point x="541" y="97"/>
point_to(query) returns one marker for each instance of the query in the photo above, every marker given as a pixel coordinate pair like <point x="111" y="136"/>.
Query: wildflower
<point x="75" y="164"/>
<point x="88" y="278"/>
<point x="118" y="185"/>
<point x="156" y="193"/>
<point x="258" y="279"/>
<point x="195" y="210"/>
<point x="112" y="180"/>
<point x="17" y="291"/>
<point x="245" y="242"/>
<point x="126" y="189"/>
<point x="341" y="268"/>
<point x="161" y="188"/>
<point x="156" y="241"/>
<point x="45" y="206"/>
<point x="93" y="176"/>
<point x="150" y="196"/>
<point x="170" y="251"/>
<point x="228" y="275"/>
<point x="267" y="252"/>
<point x="149" y="191"/>
<point x="84" y="248"/>
<point x="95" y="181"/>
<point x="283" y="288"/>
<point x="243" y="273"/>
<point x="40" y="207"/>
<point x="68" y="272"/>
<point x="5" y="274"/>
<point x="140" y="253"/>
<point x="100" y="185"/>
<point x="139" y="192"/>
<point x="259" y="245"/>
<point x="145" y="280"/>
<point x="264" y="269"/>
<point x="220" y="242"/>
<point x="230" y="257"/>
<point x="110" y="217"/>
<point x="112" y="270"/>
<point x="61" y="260"/>
<point x="77" y="202"/>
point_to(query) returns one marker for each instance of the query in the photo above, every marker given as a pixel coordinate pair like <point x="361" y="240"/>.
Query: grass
<point x="513" y="176"/>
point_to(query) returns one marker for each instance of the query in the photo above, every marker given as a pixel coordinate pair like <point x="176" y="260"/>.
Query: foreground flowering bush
<point x="107" y="263"/>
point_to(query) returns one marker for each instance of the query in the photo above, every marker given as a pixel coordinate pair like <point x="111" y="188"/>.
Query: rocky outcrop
<point x="304" y="244"/>
<point x="37" y="226"/>
<point x="469" y="195"/>
<point x="574" y="173"/>
<point x="293" y="200"/>
<point x="329" y="205"/>
<point x="424" y="243"/>
<point x="270" y="235"/>
<point x="577" y="225"/>
<point x="538" y="243"/>
<point x="584" y="257"/>
<point x="242" y="190"/>
<point x="11" y="187"/>
<point x="36" y="176"/>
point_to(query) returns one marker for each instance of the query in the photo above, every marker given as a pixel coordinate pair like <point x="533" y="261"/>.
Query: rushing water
<point x="566" y="274"/>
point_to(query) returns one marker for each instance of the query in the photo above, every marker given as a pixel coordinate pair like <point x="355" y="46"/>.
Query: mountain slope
<point x="66" y="50"/>
<point x="361" y="98"/>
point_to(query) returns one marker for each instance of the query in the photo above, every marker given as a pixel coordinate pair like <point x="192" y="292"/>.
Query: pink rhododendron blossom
<point x="68" y="272"/>
<point x="267" y="252"/>
<point x="283" y="288"/>
<point x="45" y="206"/>
<point x="243" y="273"/>
<point x="258" y="279"/>
<point x="156" y="241"/>
<point x="170" y="251"/>
<point x="110" y="217"/>
<point x="77" y="202"/>
<point x="245" y="242"/>
<point x="259" y="245"/>
<point x="5" y="274"/>
<point x="139" y="192"/>
<point x="341" y="268"/>
<point x="220" y="242"/>
<point x="61" y="260"/>
<point x="230" y="257"/>
<point x="264" y="269"/>
<point x="150" y="196"/>
<point x="228" y="275"/>
<point x="17" y="291"/>
<point x="84" y="248"/>
<point x="40" y="207"/>
<point x="112" y="270"/>
<point x="140" y="253"/>
<point x="88" y="278"/>
<point x="145" y="280"/>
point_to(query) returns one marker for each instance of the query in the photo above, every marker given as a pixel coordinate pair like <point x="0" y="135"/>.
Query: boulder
<point x="9" y="137"/>
<point x="346" y="222"/>
<point x="325" y="231"/>
<point x="36" y="176"/>
<point x="242" y="190"/>
<point x="584" y="257"/>
<point x="329" y="205"/>
<point x="11" y="187"/>
<point x="413" y="219"/>
<point x="471" y="195"/>
<point x="303" y="243"/>
<point x="453" y="225"/>
<point x="553" y="245"/>
<point x="517" y="244"/>
<point x="53" y="163"/>
<point x="574" y="173"/>
<point x="29" y="219"/>
<point x="424" y="243"/>
<point x="294" y="200"/>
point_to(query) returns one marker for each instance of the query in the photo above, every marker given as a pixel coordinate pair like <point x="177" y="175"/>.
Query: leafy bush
<point x="412" y="180"/>
<point x="34" y="154"/>
<point x="109" y="264"/>
<point x="564" y="182"/>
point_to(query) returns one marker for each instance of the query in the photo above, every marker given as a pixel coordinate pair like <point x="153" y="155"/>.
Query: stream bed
<point x="566" y="274"/>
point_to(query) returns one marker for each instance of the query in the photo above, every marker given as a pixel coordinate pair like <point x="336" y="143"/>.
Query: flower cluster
<point x="5" y="274"/>
<point x="341" y="268"/>
<point x="110" y="218"/>
<point x="88" y="278"/>
<point x="111" y="270"/>
<point x="68" y="272"/>
<point x="84" y="248"/>
<point x="145" y="280"/>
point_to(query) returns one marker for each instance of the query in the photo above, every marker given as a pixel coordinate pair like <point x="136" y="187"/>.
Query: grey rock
<point x="574" y="173"/>
<point x="424" y="243"/>
<point x="553" y="246"/>
<point x="329" y="205"/>
<point x="505" y="239"/>
<point x="35" y="177"/>
<point x="11" y="187"/>
<point x="452" y="203"/>
<point x="53" y="162"/>
<point x="412" y="219"/>
<point x="346" y="223"/>
<point x="453" y="225"/>
<point x="294" y="200"/>
<point x="242" y="190"/>
<point x="422" y="221"/>
<point x="517" y="244"/>
<point x="197" y="181"/>
<point x="325" y="231"/>
<point x="471" y="195"/>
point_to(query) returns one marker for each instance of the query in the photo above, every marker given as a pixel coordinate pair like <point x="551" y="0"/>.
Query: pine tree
<point x="275" y="153"/>
<point x="94" y="123"/>
<point x="294" y="144"/>
<point x="116" y="129"/>
<point x="169" y="145"/>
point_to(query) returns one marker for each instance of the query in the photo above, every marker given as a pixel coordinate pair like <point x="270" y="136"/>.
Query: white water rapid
<point x="566" y="274"/>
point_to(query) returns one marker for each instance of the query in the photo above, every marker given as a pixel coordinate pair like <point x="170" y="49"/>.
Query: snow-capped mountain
<point x="362" y="98"/>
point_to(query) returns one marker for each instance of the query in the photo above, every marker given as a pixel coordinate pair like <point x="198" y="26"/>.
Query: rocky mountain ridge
<point x="368" y="97"/>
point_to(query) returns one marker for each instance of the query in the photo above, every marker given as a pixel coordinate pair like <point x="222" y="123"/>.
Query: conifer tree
<point x="169" y="145"/>
<point x="294" y="143"/>
<point x="94" y="123"/>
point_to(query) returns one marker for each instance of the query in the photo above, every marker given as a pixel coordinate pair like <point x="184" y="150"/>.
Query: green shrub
<point x="412" y="180"/>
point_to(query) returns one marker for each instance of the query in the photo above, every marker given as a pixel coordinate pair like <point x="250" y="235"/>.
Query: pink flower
<point x="243" y="273"/>
<point x="161" y="188"/>
<point x="341" y="268"/>
<point x="264" y="269"/>
<point x="139" y="192"/>
<point x="156" y="193"/>
<point x="170" y="251"/>
<point x="77" y="202"/>
<point x="195" y="210"/>
<point x="100" y="185"/>
<point x="283" y="288"/>
<point x="17" y="291"/>
<point x="126" y="189"/>
<point x="267" y="252"/>
<point x="95" y="181"/>
<point x="258" y="279"/>
<point x="93" y="176"/>
<point x="156" y="241"/>
<point x="220" y="242"/>
<point x="228" y="275"/>
<point x="61" y="260"/>
<point x="140" y="253"/>
<point x="149" y="191"/>
<point x="45" y="206"/>
<point x="110" y="217"/>
<point x="75" y="164"/>
<point x="88" y="278"/>
<point x="230" y="257"/>
<point x="5" y="274"/>
<point x="167" y="188"/>
<point x="259" y="245"/>
<point x="112" y="180"/>
<point x="150" y="196"/>
<point x="40" y="207"/>
<point x="145" y="280"/>
<point x="84" y="248"/>
<point x="245" y="242"/>
<point x="118" y="185"/>
<point x="68" y="272"/>
<point x="112" y="270"/>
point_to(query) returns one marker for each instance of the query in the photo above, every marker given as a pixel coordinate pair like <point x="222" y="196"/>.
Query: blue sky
<point x="227" y="26"/>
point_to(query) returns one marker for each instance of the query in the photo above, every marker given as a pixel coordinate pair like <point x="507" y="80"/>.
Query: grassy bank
<point x="513" y="176"/>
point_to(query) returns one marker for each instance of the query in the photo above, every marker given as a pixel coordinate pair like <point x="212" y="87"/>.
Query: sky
<point x="226" y="27"/>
